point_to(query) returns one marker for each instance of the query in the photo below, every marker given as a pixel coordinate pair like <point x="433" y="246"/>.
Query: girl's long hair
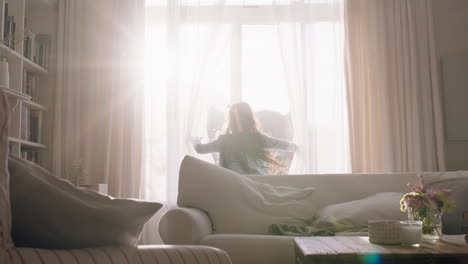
<point x="241" y="123"/>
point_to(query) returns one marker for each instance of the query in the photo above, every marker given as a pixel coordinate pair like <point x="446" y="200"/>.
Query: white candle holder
<point x="411" y="233"/>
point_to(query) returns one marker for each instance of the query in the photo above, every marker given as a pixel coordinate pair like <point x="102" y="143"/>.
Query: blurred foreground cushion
<point x="50" y="212"/>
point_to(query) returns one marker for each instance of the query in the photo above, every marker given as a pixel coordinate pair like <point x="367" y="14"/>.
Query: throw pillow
<point x="457" y="181"/>
<point x="5" y="214"/>
<point x="49" y="212"/>
<point x="381" y="206"/>
<point x="237" y="204"/>
<point x="431" y="178"/>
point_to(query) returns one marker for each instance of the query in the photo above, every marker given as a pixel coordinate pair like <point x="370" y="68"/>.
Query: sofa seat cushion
<point x="237" y="204"/>
<point x="50" y="212"/>
<point x="348" y="218"/>
<point x="254" y="249"/>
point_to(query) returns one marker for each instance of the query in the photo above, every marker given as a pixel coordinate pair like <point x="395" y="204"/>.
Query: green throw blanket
<point x="314" y="227"/>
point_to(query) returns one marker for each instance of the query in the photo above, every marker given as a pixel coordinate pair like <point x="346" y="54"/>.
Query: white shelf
<point x="34" y="106"/>
<point x="14" y="93"/>
<point x="27" y="144"/>
<point x="29" y="65"/>
<point x="12" y="54"/>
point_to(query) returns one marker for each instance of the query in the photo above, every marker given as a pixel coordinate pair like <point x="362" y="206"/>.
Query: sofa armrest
<point x="184" y="226"/>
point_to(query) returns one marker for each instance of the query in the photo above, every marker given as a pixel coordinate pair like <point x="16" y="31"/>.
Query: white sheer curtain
<point x="98" y="114"/>
<point x="311" y="39"/>
<point x="217" y="52"/>
<point x="393" y="87"/>
<point x="185" y="68"/>
<point x="181" y="90"/>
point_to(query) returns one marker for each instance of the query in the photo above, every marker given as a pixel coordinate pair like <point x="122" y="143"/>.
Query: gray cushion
<point x="380" y="206"/>
<point x="452" y="222"/>
<point x="49" y="212"/>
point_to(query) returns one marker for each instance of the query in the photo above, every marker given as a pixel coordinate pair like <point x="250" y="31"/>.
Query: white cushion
<point x="443" y="176"/>
<point x="381" y="206"/>
<point x="237" y="204"/>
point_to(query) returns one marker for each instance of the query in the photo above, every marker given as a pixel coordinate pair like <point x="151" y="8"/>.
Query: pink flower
<point x="419" y="187"/>
<point x="415" y="203"/>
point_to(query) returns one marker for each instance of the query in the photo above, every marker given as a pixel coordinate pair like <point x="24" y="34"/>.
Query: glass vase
<point x="431" y="223"/>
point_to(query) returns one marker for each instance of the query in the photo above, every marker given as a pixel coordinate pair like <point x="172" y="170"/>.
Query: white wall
<point x="451" y="34"/>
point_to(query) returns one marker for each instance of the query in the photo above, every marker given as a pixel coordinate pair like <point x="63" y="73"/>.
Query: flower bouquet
<point x="427" y="205"/>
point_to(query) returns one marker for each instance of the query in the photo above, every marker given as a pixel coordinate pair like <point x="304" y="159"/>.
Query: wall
<point x="451" y="35"/>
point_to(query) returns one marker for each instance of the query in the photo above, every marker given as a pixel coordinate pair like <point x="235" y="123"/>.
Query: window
<point x="263" y="83"/>
<point x="250" y="66"/>
<point x="253" y="66"/>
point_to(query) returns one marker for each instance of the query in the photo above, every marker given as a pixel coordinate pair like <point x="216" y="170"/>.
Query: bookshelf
<point x="28" y="29"/>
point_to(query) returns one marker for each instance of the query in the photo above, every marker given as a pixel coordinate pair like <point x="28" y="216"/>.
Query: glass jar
<point x="431" y="223"/>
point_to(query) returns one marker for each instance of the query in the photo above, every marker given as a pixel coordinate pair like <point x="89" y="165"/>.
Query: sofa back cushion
<point x="237" y="204"/>
<point x="457" y="181"/>
<point x="5" y="239"/>
<point x="339" y="188"/>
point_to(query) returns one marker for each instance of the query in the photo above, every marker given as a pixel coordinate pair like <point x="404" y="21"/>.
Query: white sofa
<point x="216" y="209"/>
<point x="188" y="225"/>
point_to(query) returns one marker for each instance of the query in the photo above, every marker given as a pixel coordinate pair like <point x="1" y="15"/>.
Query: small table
<point x="356" y="249"/>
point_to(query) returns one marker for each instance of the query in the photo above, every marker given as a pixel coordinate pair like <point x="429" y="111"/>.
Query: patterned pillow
<point x="5" y="213"/>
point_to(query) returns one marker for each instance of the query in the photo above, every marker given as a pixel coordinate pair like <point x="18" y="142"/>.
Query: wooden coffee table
<point x="355" y="249"/>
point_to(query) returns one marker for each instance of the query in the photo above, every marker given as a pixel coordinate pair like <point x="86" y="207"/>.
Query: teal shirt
<point x="230" y="147"/>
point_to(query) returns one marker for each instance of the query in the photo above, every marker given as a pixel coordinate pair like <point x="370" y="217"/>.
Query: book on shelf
<point x="36" y="126"/>
<point x="36" y="48"/>
<point x="11" y="32"/>
<point x="25" y="123"/>
<point x="4" y="20"/>
<point x="30" y="87"/>
<point x="29" y="44"/>
<point x="31" y="125"/>
<point x="31" y="155"/>
<point x="43" y="42"/>
<point x="9" y="29"/>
